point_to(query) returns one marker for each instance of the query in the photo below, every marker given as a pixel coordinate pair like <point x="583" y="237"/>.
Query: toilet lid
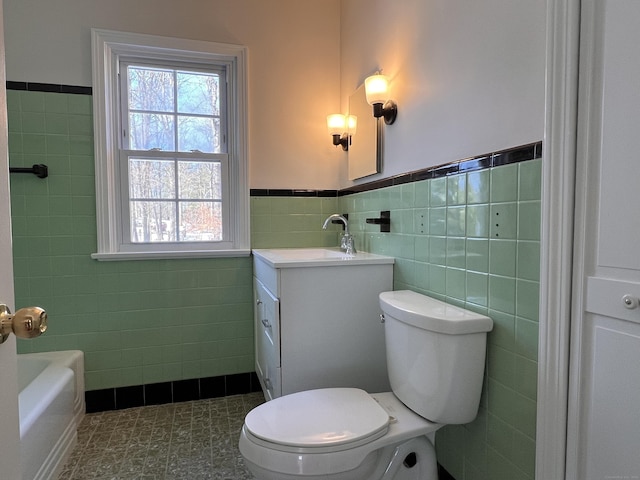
<point x="319" y="418"/>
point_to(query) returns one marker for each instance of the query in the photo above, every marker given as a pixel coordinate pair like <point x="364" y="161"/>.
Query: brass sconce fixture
<point x="377" y="90"/>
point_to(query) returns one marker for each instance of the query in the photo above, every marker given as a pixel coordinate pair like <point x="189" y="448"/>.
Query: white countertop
<point x="317" y="257"/>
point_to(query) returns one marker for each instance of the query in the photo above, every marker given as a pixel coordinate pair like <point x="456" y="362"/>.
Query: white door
<point x="603" y="440"/>
<point x="9" y="430"/>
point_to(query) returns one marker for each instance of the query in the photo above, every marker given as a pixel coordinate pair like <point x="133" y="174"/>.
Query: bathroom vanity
<point x="317" y="319"/>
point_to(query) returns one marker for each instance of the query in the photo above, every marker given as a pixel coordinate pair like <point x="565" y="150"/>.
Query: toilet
<point x="435" y="360"/>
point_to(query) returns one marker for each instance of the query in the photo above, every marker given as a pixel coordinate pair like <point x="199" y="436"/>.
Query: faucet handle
<point x="348" y="244"/>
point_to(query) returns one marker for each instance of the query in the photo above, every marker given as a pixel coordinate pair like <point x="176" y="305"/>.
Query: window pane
<point x="199" y="180"/>
<point x="199" y="133"/>
<point x="153" y="221"/>
<point x="150" y="89"/>
<point x="200" y="221"/>
<point x="151" y="178"/>
<point x="151" y="130"/>
<point x="198" y="93"/>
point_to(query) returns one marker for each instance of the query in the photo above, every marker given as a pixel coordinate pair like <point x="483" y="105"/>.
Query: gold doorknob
<point x="28" y="322"/>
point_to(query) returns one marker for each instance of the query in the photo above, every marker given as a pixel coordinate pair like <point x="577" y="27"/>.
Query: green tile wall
<point x="138" y="322"/>
<point x="474" y="240"/>
<point x="284" y="222"/>
<point x="471" y="239"/>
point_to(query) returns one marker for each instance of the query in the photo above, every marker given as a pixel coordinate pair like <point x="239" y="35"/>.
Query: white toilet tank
<point x="435" y="355"/>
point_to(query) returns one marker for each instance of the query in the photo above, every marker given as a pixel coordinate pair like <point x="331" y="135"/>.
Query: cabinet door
<point x="267" y="338"/>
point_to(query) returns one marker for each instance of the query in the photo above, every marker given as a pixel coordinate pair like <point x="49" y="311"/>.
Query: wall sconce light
<point x="341" y="128"/>
<point x="377" y="91"/>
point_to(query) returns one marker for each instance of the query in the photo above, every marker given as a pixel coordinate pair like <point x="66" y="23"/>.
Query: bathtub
<point x="51" y="402"/>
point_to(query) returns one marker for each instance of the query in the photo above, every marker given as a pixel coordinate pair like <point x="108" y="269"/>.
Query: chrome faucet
<point x="346" y="241"/>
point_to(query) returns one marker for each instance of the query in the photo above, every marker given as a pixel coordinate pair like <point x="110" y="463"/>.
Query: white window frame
<point x="108" y="47"/>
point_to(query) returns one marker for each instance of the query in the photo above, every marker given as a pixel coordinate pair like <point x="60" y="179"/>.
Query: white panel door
<point x="604" y="407"/>
<point x="9" y="431"/>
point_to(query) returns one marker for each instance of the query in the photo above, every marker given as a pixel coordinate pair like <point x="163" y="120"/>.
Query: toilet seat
<point x="330" y="419"/>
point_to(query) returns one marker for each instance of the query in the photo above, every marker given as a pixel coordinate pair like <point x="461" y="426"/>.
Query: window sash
<point x="109" y="48"/>
<point x="126" y="242"/>
<point x="176" y="66"/>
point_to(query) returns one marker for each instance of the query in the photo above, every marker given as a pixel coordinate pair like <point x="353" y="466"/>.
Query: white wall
<point x="294" y="64"/>
<point x="468" y="76"/>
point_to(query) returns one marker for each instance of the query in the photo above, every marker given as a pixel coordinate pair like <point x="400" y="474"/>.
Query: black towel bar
<point x="40" y="170"/>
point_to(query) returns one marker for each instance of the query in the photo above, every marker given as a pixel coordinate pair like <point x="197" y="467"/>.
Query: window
<point x="171" y="169"/>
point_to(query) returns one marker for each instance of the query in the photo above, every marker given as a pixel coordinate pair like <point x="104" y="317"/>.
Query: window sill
<point x="124" y="256"/>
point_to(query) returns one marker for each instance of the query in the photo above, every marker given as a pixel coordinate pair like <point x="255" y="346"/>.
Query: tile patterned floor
<point x="192" y="440"/>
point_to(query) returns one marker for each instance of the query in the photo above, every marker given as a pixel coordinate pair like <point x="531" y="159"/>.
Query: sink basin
<point x="308" y="257"/>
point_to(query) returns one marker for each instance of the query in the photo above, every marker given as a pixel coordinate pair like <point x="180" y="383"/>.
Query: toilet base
<point x="414" y="459"/>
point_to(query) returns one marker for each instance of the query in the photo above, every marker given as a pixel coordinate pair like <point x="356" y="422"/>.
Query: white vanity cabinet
<point x="317" y="320"/>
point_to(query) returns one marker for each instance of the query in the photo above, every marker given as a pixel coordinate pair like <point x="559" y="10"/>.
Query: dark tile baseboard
<point x="170" y="392"/>
<point x="443" y="474"/>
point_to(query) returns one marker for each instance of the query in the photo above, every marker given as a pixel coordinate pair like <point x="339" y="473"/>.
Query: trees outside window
<point x="172" y="161"/>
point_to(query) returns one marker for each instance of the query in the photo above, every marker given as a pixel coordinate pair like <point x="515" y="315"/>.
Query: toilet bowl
<point x="337" y="433"/>
<point x="435" y="359"/>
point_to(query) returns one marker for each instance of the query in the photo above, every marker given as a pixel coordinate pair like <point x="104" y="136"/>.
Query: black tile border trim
<point x="170" y="392"/>
<point x="49" y="88"/>
<point x="481" y="162"/>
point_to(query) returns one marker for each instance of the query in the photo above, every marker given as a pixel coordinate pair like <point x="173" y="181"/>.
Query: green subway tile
<point x="80" y="125"/>
<point x="33" y="123"/>
<point x="394" y="197"/>
<point x="403" y="221"/>
<point x="80" y="145"/>
<point x="58" y="145"/>
<point x="525" y="415"/>
<point x="500" y="435"/>
<point x="456" y="255"/>
<point x="456" y="190"/>
<point x="56" y="124"/>
<point x="422" y="194"/>
<point x="80" y="104"/>
<point x="437" y="279"/>
<point x="56" y="103"/>
<point x="456" y="283"/>
<point x="407" y="195"/>
<point x="502" y="294"/>
<point x="526" y="377"/>
<point x="437" y="221"/>
<point x="477" y="288"/>
<point x="528" y="260"/>
<point x="478" y="187"/>
<point x="502" y="366"/>
<point x="526" y="338"/>
<point x="421" y="247"/>
<point x="438" y="192"/>
<point x="456" y="221"/>
<point x="421" y="224"/>
<point x="34" y="143"/>
<point x="477" y="251"/>
<point x="13" y="101"/>
<point x="504" y="183"/>
<point x="524" y="453"/>
<point x="530" y="181"/>
<point x="503" y="220"/>
<point x="477" y="222"/>
<point x="502" y="257"/>
<point x="404" y="271"/>
<point x="438" y="250"/>
<point x="529" y="220"/>
<point x="32" y="101"/>
<point x="527" y="299"/>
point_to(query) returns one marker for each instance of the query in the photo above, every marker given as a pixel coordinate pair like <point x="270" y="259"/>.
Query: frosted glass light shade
<point x="376" y="88"/>
<point x="336" y="124"/>
<point x="352" y="124"/>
